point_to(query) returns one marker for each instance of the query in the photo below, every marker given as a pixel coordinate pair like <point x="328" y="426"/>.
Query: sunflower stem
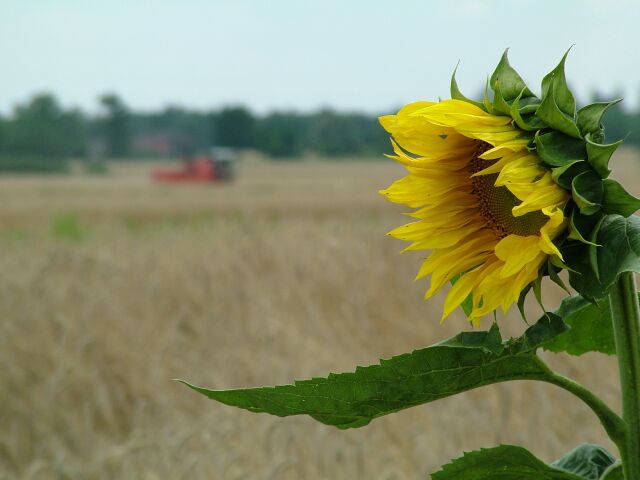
<point x="625" y="313"/>
<point x="612" y="423"/>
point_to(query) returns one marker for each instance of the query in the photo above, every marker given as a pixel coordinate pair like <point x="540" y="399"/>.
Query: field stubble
<point x="112" y="287"/>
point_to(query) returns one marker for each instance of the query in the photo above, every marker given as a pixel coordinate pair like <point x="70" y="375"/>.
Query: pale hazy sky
<point x="279" y="54"/>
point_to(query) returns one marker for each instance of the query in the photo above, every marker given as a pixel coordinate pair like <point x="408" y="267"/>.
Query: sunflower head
<point x="505" y="190"/>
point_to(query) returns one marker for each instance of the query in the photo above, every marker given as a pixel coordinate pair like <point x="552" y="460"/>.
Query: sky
<point x="368" y="56"/>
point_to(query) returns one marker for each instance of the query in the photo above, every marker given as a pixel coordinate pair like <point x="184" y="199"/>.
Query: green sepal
<point x="456" y="94"/>
<point x="564" y="175"/>
<point x="554" y="85"/>
<point x="598" y="155"/>
<point x="528" y="105"/>
<point x="531" y="122"/>
<point x="511" y="83"/>
<point x="552" y="271"/>
<point x="486" y="101"/>
<point x="537" y="290"/>
<point x="595" y="248"/>
<point x="581" y="226"/>
<point x="350" y="400"/>
<point x="556" y="149"/>
<point x="589" y="117"/>
<point x="550" y="113"/>
<point x="467" y="304"/>
<point x="618" y="200"/>
<point x="591" y="328"/>
<point x="587" y="192"/>
<point x="500" y="105"/>
<point x="507" y="462"/>
<point x="595" y="269"/>
<point x="521" y="299"/>
<point x="587" y="461"/>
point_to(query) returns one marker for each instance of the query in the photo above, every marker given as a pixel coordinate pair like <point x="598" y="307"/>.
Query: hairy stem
<point x="612" y="423"/>
<point x="625" y="314"/>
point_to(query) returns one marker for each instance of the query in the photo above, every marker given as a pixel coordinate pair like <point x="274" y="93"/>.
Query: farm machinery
<point x="217" y="166"/>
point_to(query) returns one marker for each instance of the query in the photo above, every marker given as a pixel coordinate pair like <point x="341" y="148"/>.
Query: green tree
<point x="235" y="127"/>
<point x="282" y="134"/>
<point x="42" y="127"/>
<point x="116" y="126"/>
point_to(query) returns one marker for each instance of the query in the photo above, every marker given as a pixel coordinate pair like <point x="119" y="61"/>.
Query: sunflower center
<point x="496" y="203"/>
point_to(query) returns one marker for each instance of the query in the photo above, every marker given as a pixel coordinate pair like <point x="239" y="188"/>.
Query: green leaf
<point x="588" y="192"/>
<point x="618" y="200"/>
<point x="456" y="94"/>
<point x="595" y="269"/>
<point x="589" y="117"/>
<point x="598" y="155"/>
<point x="557" y="150"/>
<point x="614" y="472"/>
<point x="348" y="400"/>
<point x="588" y="461"/>
<point x="554" y="85"/>
<point x="591" y="328"/>
<point x="506" y="462"/>
<point x="511" y="83"/>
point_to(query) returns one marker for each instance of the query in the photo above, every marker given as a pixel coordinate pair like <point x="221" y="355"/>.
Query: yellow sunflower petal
<point x="487" y="207"/>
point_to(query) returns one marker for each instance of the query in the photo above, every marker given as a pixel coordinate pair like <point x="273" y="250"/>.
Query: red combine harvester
<point x="215" y="167"/>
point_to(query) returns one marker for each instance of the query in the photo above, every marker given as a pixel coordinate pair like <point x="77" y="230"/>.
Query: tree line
<point x="42" y="130"/>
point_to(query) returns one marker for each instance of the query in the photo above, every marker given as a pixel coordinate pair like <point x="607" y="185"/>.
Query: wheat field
<point x="112" y="286"/>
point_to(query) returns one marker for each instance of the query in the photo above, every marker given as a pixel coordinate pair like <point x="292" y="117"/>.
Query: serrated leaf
<point x="589" y="117"/>
<point x="557" y="150"/>
<point x="595" y="269"/>
<point x="591" y="328"/>
<point x="550" y="113"/>
<point x="598" y="155"/>
<point x="587" y="461"/>
<point x="506" y="462"/>
<point x="511" y="83"/>
<point x="456" y="94"/>
<point x="349" y="400"/>
<point x="587" y="192"/>
<point x="618" y="200"/>
<point x="554" y="84"/>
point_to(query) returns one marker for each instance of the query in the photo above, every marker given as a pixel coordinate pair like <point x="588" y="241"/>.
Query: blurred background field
<point x="114" y="286"/>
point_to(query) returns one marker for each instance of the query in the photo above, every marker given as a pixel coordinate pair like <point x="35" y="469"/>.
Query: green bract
<point x="571" y="142"/>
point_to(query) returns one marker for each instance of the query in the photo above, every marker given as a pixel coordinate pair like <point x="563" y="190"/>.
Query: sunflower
<point x="487" y="207"/>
